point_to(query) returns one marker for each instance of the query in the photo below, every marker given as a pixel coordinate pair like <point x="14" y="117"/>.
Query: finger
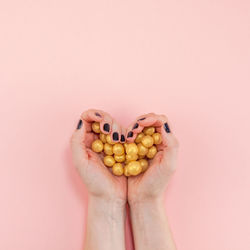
<point x="106" y="123"/>
<point x="123" y="133"/>
<point x="132" y="131"/>
<point x="78" y="147"/>
<point x="116" y="132"/>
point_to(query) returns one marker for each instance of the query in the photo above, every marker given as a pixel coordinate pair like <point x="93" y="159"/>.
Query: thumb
<point x="78" y="147"/>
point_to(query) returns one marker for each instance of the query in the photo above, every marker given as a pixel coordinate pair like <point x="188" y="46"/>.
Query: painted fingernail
<point x="142" y="119"/>
<point x="122" y="138"/>
<point x="136" y="126"/>
<point x="166" y="127"/>
<point x="106" y="127"/>
<point x="130" y="134"/>
<point x="97" y="114"/>
<point x="115" y="136"/>
<point x="79" y="125"/>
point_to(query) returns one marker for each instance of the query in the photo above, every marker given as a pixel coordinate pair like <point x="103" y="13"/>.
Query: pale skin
<point x="109" y="194"/>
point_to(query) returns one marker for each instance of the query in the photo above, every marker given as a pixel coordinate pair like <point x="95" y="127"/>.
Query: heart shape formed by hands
<point x="128" y="151"/>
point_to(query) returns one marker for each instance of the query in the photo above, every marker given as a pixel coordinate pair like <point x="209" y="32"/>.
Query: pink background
<point x="187" y="59"/>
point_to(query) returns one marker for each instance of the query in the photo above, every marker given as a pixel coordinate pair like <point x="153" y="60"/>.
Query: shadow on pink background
<point x="187" y="59"/>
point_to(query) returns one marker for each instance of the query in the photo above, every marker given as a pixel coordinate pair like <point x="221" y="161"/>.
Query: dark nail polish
<point x="122" y="138"/>
<point x="142" y="119"/>
<point x="166" y="127"/>
<point x="79" y="125"/>
<point x="136" y="126"/>
<point x="97" y="114"/>
<point x="106" y="127"/>
<point x="115" y="136"/>
<point x="130" y="134"/>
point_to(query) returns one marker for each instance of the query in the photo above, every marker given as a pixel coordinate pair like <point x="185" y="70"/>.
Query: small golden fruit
<point x="139" y="137"/>
<point x="103" y="137"/>
<point x="147" y="141"/>
<point x="96" y="127"/>
<point x="119" y="158"/>
<point x="97" y="146"/>
<point x="152" y="152"/>
<point x="131" y="149"/>
<point x="117" y="169"/>
<point x="126" y="173"/>
<point x="149" y="130"/>
<point x="109" y="140"/>
<point x="134" y="168"/>
<point x="142" y="150"/>
<point x="108" y="149"/>
<point x="131" y="158"/>
<point x="144" y="164"/>
<point x="109" y="161"/>
<point x="157" y="138"/>
<point x="118" y="149"/>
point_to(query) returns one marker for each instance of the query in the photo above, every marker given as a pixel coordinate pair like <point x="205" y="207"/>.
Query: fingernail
<point x="142" y="119"/>
<point x="166" y="127"/>
<point x="115" y="136"/>
<point x="106" y="127"/>
<point x="130" y="134"/>
<point x="136" y="126"/>
<point x="97" y="114"/>
<point x="79" y="125"/>
<point x="122" y="138"/>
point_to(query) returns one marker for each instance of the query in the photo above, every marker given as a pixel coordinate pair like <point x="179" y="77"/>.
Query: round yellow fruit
<point x="97" y="146"/>
<point x="152" y="152"/>
<point x="147" y="141"/>
<point x="139" y="137"/>
<point x="157" y="138"/>
<point x="103" y="137"/>
<point x="109" y="160"/>
<point x="118" y="149"/>
<point x="119" y="158"/>
<point x="109" y="140"/>
<point x="117" y="169"/>
<point x="126" y="173"/>
<point x="134" y="168"/>
<point x="144" y="164"/>
<point x="131" y="149"/>
<point x="148" y="130"/>
<point x="96" y="127"/>
<point x="131" y="158"/>
<point x="108" y="149"/>
<point x="142" y="150"/>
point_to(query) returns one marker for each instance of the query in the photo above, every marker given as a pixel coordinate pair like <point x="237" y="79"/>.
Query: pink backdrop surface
<point x="187" y="59"/>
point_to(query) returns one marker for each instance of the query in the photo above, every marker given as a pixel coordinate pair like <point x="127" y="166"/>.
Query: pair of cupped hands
<point x="99" y="180"/>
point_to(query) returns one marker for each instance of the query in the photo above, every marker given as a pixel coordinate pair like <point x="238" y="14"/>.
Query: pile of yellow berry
<point x="128" y="158"/>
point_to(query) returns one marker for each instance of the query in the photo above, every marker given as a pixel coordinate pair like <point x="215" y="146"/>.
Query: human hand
<point x="152" y="184"/>
<point x="98" y="179"/>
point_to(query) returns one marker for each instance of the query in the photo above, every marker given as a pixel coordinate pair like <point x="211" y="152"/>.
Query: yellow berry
<point x="97" y="146"/>
<point x="142" y="150"/>
<point x="147" y="141"/>
<point x="109" y="161"/>
<point x="144" y="164"/>
<point x="149" y="130"/>
<point x="117" y="169"/>
<point x="119" y="158"/>
<point x="103" y="137"/>
<point x="131" y="149"/>
<point x="108" y="149"/>
<point x="118" y="149"/>
<point x="157" y="138"/>
<point x="96" y="127"/>
<point x="134" y="168"/>
<point x="126" y="173"/>
<point x="131" y="158"/>
<point x="109" y="140"/>
<point x="152" y="152"/>
<point x="139" y="137"/>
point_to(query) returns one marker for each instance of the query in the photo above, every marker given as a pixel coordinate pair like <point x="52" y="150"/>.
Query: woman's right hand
<point x="151" y="185"/>
<point x="98" y="179"/>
